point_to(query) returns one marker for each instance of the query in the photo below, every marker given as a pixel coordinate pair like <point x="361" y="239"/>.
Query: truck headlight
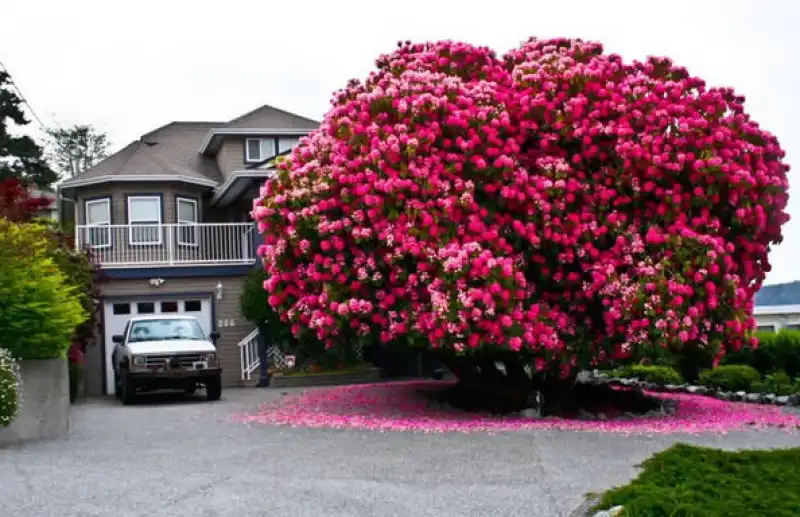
<point x="211" y="359"/>
<point x="139" y="360"/>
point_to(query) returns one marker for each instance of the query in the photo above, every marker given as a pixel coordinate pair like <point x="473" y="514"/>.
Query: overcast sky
<point x="128" y="67"/>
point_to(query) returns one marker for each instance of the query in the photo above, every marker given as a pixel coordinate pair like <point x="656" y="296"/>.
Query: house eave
<point x="214" y="136"/>
<point x="776" y="310"/>
<point x="67" y="187"/>
<point x="238" y="183"/>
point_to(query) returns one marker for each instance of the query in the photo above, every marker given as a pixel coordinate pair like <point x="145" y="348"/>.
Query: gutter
<point x="225" y="131"/>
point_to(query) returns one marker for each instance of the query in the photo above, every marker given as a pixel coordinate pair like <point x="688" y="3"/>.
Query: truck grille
<point x="167" y="361"/>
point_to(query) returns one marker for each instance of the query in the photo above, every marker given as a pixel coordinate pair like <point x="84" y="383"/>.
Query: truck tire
<point x="128" y="390"/>
<point x="213" y="388"/>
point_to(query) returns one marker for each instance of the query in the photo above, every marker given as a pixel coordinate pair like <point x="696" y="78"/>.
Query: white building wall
<point x="777" y="320"/>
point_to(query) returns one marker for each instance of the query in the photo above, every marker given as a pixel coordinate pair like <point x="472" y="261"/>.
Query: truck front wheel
<point x="127" y="389"/>
<point x="213" y="388"/>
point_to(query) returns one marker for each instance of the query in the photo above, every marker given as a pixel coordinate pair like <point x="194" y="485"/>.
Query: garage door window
<point x="169" y="306"/>
<point x="145" y="308"/>
<point x="192" y="306"/>
<point x="122" y="308"/>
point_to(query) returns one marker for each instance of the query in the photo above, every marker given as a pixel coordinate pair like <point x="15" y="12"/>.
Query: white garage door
<point x="118" y="312"/>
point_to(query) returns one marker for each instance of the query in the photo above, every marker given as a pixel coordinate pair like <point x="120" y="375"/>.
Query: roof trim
<point x="84" y="182"/>
<point x="222" y="190"/>
<point x="223" y="131"/>
<point x="763" y="310"/>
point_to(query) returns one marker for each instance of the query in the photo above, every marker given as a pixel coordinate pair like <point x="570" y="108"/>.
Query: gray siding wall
<point x="227" y="308"/>
<point x="230" y="157"/>
<point x="119" y="204"/>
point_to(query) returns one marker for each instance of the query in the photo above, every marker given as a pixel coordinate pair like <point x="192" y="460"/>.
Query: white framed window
<point x="144" y="220"/>
<point x="287" y="143"/>
<point x="259" y="149"/>
<point x="98" y="222"/>
<point x="187" y="217"/>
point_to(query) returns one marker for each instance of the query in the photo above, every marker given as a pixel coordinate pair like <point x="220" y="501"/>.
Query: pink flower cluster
<point x="400" y="406"/>
<point x="555" y="201"/>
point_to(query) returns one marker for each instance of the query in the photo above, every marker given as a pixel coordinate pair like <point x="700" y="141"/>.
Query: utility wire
<point x="23" y="99"/>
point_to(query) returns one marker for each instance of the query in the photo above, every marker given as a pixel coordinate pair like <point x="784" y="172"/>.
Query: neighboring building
<point x="167" y="218"/>
<point x="49" y="211"/>
<point x="778" y="306"/>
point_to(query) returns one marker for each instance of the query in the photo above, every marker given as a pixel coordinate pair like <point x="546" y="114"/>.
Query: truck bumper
<point x="173" y="379"/>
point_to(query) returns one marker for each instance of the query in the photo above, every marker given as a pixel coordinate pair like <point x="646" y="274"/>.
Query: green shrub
<point x="734" y="377"/>
<point x="9" y="388"/>
<point x="647" y="373"/>
<point x="776" y="352"/>
<point x="39" y="308"/>
<point x="777" y="383"/>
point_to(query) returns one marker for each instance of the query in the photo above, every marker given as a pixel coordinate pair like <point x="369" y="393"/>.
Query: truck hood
<point x="172" y="346"/>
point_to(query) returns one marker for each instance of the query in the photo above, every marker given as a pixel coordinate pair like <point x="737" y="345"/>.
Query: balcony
<point x="164" y="245"/>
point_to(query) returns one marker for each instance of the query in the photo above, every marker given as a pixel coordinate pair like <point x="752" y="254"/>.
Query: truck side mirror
<point x="214" y="335"/>
<point x="117" y="338"/>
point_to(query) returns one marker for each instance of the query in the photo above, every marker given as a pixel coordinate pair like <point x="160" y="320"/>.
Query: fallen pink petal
<point x="399" y="406"/>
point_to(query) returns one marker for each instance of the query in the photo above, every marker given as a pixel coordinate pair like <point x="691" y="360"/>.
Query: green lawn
<point x="687" y="481"/>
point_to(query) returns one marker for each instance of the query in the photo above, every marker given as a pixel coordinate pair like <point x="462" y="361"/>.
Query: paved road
<point x="178" y="457"/>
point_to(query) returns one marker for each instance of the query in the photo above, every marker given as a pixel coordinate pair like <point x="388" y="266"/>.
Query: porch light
<point x="219" y="291"/>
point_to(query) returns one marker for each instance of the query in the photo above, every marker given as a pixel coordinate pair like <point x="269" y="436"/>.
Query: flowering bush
<point x="9" y="388"/>
<point x="555" y="203"/>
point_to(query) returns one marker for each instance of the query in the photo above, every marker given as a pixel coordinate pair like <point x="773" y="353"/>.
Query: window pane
<point x="254" y="150"/>
<point x="97" y="213"/>
<point x="145" y="209"/>
<point x="122" y="308"/>
<point x="286" y="143"/>
<point x="267" y="148"/>
<point x="145" y="308"/>
<point x="186" y="211"/>
<point x="169" y="306"/>
<point x="192" y="305"/>
<point x="766" y="328"/>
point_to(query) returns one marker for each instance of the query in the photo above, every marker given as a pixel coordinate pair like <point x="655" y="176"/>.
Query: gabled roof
<point x="170" y="152"/>
<point x="267" y="116"/>
<point x="778" y="294"/>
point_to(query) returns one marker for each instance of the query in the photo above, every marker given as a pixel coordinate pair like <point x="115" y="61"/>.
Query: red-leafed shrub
<point x="17" y="203"/>
<point x="557" y="205"/>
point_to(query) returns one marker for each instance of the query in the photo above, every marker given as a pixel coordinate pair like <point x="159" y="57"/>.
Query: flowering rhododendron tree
<point x="555" y="208"/>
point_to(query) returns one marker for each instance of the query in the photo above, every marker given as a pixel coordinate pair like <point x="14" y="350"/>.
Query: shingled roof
<point x="779" y="294"/>
<point x="171" y="151"/>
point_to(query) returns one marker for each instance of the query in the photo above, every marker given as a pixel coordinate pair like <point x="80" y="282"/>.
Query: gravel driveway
<point x="179" y="457"/>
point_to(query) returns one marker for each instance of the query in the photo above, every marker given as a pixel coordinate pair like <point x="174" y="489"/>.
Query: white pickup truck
<point x="165" y="352"/>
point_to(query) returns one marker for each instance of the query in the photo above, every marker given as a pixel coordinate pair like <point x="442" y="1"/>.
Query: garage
<point x="117" y="312"/>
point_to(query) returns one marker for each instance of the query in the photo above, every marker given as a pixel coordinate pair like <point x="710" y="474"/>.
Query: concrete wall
<point x="44" y="404"/>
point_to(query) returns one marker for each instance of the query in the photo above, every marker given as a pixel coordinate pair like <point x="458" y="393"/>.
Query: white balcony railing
<point x="149" y="245"/>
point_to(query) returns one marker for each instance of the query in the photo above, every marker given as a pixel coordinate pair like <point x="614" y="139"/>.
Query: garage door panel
<point x="117" y="313"/>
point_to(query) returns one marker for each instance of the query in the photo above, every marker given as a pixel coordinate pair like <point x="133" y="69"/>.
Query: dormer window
<point x="259" y="149"/>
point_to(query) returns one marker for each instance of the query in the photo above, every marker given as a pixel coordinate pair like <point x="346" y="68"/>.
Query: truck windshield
<point x="161" y="329"/>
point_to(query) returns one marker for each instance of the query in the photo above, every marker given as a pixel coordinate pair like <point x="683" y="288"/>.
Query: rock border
<point x="325" y="379"/>
<point x="597" y="377"/>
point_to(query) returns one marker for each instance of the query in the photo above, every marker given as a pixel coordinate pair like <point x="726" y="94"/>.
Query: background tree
<point x="17" y="203"/>
<point x="20" y="156"/>
<point x="75" y="149"/>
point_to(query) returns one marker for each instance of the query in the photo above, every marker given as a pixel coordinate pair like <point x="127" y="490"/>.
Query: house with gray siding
<point x="168" y="220"/>
<point x="777" y="306"/>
